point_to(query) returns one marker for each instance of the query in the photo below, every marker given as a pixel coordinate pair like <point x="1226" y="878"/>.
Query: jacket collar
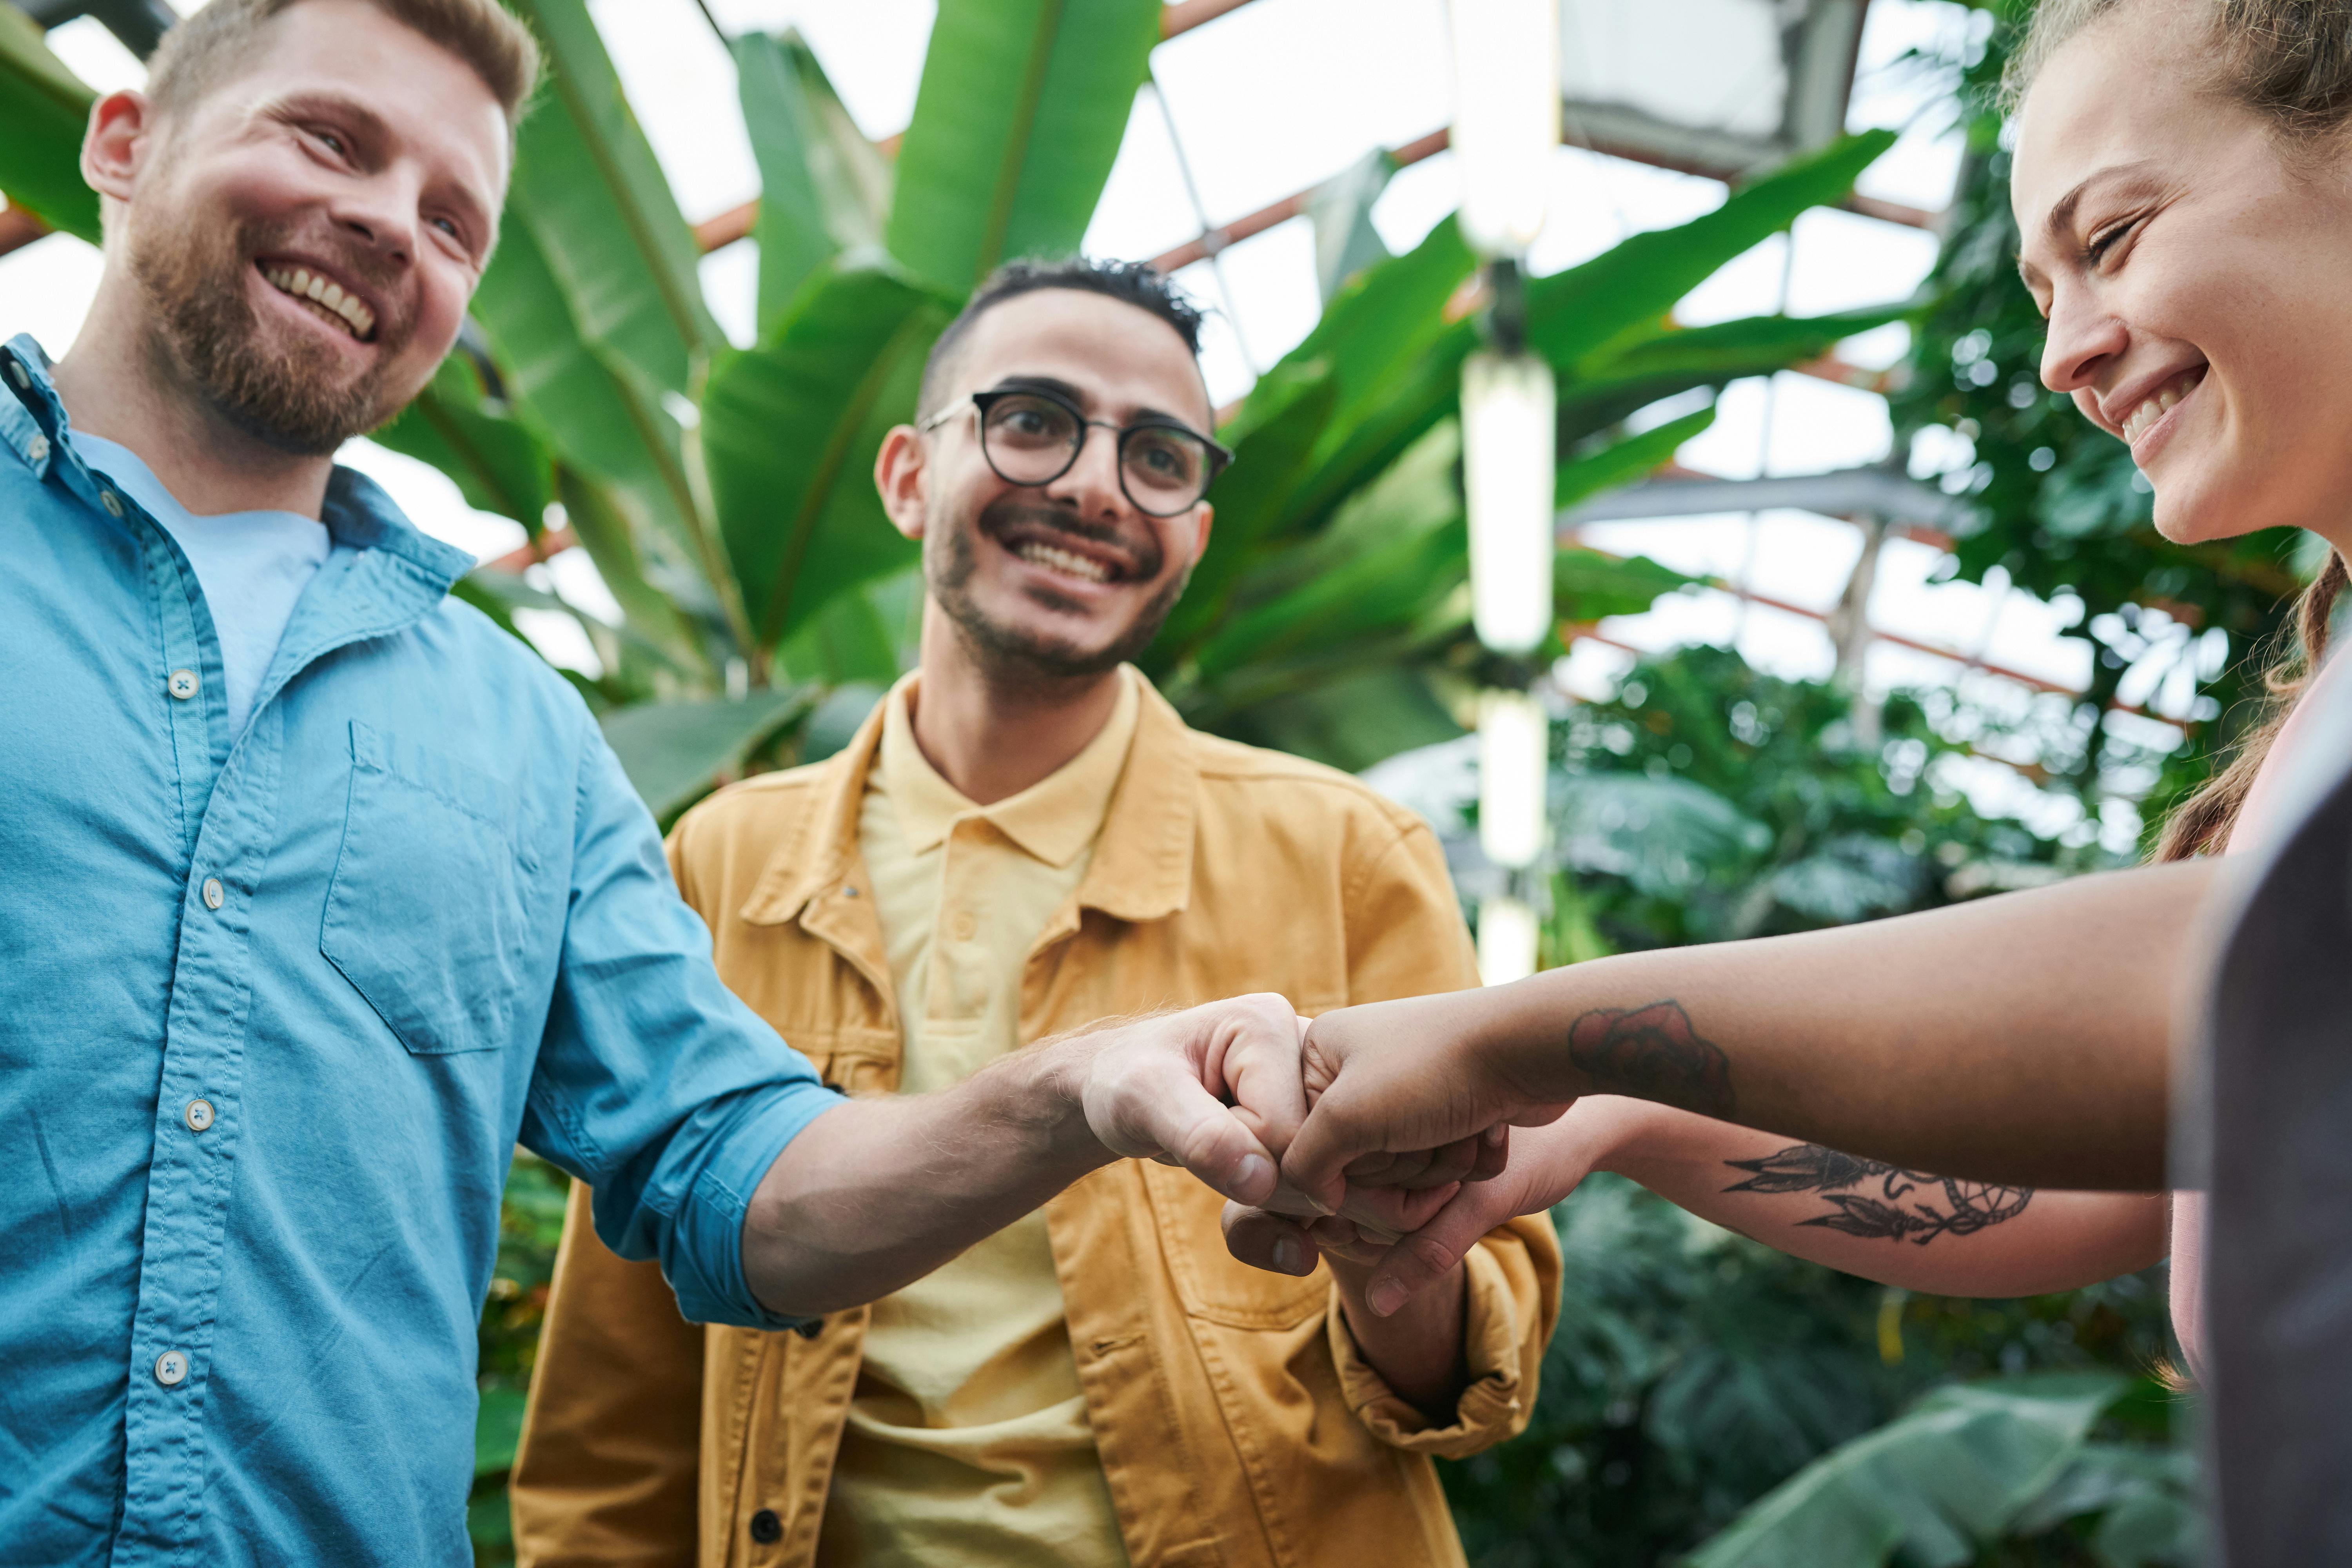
<point x="1142" y="864"/>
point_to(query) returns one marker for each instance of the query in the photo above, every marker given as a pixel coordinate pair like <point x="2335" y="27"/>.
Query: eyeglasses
<point x="1033" y="438"/>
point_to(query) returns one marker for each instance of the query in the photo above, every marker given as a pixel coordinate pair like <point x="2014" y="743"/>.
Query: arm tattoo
<point x="1968" y="1207"/>
<point x="1652" y="1053"/>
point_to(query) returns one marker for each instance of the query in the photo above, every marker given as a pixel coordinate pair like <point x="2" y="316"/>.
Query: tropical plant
<point x="723" y="494"/>
<point x="1706" y="1394"/>
<point x="1706" y="801"/>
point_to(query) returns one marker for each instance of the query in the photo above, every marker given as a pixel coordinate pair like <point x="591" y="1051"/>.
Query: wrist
<point x="1050" y="1107"/>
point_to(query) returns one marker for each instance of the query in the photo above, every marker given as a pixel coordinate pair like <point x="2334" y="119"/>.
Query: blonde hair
<point x="2289" y="61"/>
<point x="199" y="53"/>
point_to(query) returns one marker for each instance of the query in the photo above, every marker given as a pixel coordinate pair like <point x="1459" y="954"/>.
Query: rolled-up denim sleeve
<point x="654" y="1084"/>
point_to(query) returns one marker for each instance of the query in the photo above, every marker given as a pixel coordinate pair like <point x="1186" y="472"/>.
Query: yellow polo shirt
<point x="966" y="1440"/>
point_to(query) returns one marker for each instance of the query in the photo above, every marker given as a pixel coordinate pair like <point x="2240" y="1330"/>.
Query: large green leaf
<point x="1935" y="1484"/>
<point x="868" y="637"/>
<point x="673" y="751"/>
<point x="1624" y="292"/>
<point x="1253" y="498"/>
<point x="587" y="185"/>
<point x="823" y="187"/>
<point x="1020" y="113"/>
<point x="603" y="525"/>
<point x="791" y="430"/>
<point x="44" y="108"/>
<point x="1734" y="347"/>
<point x="1623" y="462"/>
<point x="498" y="465"/>
<point x="1588" y="584"/>
<point x="603" y="423"/>
<point x="1350" y="721"/>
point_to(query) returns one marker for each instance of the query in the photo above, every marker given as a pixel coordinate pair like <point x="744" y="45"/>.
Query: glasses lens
<point x="1165" y="469"/>
<point x="1029" y="439"/>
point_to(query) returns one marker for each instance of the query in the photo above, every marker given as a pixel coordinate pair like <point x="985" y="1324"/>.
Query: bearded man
<point x="1025" y="835"/>
<point x="318" y="892"/>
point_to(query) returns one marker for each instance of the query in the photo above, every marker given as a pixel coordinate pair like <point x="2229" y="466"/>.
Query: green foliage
<point x="40" y="152"/>
<point x="1695" y="1371"/>
<point x="1706" y="801"/>
<point x="2059" y="505"/>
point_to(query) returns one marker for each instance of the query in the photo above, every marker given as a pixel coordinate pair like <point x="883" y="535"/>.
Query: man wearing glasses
<point x="1024" y="837"/>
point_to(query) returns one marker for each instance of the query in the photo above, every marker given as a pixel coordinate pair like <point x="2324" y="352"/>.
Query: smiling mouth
<point x="2160" y="403"/>
<point x="325" y="299"/>
<point x="1037" y="552"/>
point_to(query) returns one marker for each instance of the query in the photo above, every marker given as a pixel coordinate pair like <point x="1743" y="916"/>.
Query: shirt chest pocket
<point x="425" y="912"/>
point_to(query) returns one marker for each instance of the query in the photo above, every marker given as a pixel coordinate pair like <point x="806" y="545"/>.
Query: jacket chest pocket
<point x="425" y="912"/>
<point x="1210" y="1283"/>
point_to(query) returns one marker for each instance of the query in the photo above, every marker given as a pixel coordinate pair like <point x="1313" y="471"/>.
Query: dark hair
<point x="198" y="54"/>
<point x="2289" y="61"/>
<point x="1136" y="283"/>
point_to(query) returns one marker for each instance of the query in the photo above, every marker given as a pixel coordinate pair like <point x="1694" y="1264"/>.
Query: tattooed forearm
<point x="1967" y="1206"/>
<point x="1652" y="1053"/>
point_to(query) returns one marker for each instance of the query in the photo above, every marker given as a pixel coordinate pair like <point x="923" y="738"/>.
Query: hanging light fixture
<point x="1508" y="421"/>
<point x="1505" y="125"/>
<point x="1506" y="117"/>
<point x="1514" y="772"/>
<point x="1507" y="932"/>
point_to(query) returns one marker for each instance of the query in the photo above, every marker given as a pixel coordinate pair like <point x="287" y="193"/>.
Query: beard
<point x="281" y="388"/>
<point x="1024" y="654"/>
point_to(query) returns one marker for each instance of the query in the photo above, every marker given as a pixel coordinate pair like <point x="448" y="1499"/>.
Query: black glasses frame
<point x="1219" y="457"/>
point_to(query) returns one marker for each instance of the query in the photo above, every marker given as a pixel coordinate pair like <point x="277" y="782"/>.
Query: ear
<point x="121" y="125"/>
<point x="1201" y="541"/>
<point x="899" y="475"/>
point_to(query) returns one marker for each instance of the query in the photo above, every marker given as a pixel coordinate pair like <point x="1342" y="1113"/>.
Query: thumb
<point x="1431" y="1253"/>
<point x="1165" y="1114"/>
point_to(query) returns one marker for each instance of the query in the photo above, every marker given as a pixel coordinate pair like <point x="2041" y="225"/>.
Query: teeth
<point x="303" y="284"/>
<point x="2154" y="409"/>
<point x="1065" y="561"/>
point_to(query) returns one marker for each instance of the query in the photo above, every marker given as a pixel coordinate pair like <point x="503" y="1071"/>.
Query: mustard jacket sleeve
<point x="1406" y="938"/>
<point x="607" y="1473"/>
<point x="1512" y="1306"/>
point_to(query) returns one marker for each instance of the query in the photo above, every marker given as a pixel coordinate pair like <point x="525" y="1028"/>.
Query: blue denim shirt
<point x="274" y="1008"/>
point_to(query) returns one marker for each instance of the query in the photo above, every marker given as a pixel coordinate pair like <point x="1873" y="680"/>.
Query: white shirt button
<point x="199" y="1115"/>
<point x="183" y="684"/>
<point x="170" y="1369"/>
<point x="36" y="449"/>
<point x="212" y="892"/>
<point x="110" y="502"/>
<point x="18" y="372"/>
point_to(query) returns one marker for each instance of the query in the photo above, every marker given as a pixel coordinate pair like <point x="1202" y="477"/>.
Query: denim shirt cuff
<point x="705" y="1261"/>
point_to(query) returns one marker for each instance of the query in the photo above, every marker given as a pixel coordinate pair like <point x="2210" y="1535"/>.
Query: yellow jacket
<point x="1238" y="1426"/>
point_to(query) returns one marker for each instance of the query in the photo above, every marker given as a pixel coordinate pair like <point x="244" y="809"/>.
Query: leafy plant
<point x="1694" y="1372"/>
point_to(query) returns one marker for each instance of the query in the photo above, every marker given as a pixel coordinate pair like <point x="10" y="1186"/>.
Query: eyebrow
<point x="1083" y="399"/>
<point x="377" y="129"/>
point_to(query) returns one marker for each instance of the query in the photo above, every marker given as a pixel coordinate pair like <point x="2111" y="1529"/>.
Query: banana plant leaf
<point x="791" y="430"/>
<point x="1350" y="723"/>
<point x="823" y="187"/>
<point x="1017" y="121"/>
<point x="586" y="183"/>
<point x="1624" y="461"/>
<point x="864" y="638"/>
<point x="44" y="108"/>
<point x="1621" y="294"/>
<point x="1936" y="1484"/>
<point x="498" y="465"/>
<point x="603" y="423"/>
<point x="671" y="751"/>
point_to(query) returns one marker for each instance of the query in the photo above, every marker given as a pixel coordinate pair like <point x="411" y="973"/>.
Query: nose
<point x="380" y="212"/>
<point x="2084" y="341"/>
<point x="1091" y="484"/>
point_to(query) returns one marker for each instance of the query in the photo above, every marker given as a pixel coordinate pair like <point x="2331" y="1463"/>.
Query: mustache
<point x="1142" y="553"/>
<point x="396" y="316"/>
